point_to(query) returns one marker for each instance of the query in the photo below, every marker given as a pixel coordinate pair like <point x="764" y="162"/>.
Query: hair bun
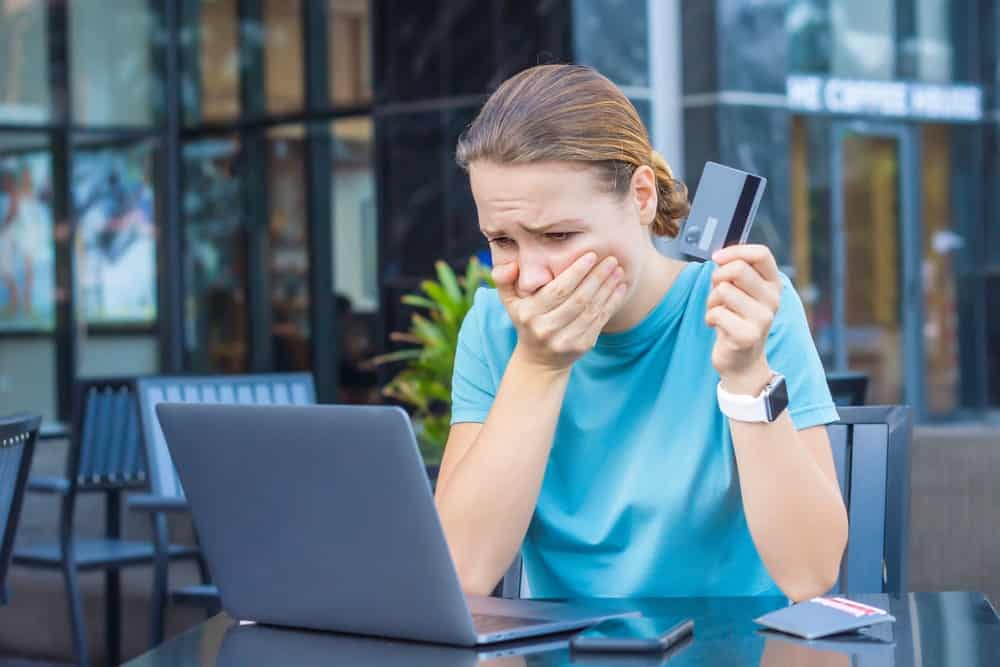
<point x="671" y="194"/>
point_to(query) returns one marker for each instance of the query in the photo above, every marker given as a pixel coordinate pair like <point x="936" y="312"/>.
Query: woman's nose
<point x="532" y="276"/>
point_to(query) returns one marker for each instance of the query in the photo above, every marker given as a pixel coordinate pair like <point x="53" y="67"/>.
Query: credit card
<point x="722" y="212"/>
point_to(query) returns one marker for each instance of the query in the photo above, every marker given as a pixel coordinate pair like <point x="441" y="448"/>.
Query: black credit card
<point x="723" y="210"/>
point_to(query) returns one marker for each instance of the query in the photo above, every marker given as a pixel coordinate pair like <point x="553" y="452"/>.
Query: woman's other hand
<point x="560" y="322"/>
<point x="746" y="291"/>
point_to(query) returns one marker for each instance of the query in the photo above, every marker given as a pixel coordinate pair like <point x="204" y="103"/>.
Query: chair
<point x="104" y="457"/>
<point x="871" y="451"/>
<point x="17" y="445"/>
<point x="166" y="495"/>
<point x="848" y="388"/>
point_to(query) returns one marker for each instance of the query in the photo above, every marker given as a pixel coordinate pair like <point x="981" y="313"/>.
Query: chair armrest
<point x="146" y="502"/>
<point x="54" y="485"/>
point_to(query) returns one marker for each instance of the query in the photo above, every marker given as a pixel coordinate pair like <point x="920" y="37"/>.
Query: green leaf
<point x="428" y="332"/>
<point x="420" y="302"/>
<point x="424" y="381"/>
<point x="402" y="355"/>
<point x="447" y="279"/>
<point x="473" y="279"/>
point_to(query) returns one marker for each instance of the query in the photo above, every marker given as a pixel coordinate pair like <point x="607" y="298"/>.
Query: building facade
<point x="250" y="185"/>
<point x="875" y="123"/>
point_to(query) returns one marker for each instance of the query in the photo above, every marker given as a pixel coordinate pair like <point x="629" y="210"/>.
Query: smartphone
<point x="722" y="212"/>
<point x="633" y="634"/>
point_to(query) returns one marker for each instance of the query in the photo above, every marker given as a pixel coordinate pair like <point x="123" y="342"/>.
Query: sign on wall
<point x="891" y="99"/>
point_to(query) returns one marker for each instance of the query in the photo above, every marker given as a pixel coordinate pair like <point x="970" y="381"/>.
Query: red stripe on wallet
<point x="849" y="606"/>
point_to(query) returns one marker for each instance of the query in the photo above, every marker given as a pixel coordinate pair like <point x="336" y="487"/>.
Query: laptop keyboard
<point x="488" y="623"/>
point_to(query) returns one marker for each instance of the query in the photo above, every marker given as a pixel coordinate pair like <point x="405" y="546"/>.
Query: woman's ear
<point x="643" y="193"/>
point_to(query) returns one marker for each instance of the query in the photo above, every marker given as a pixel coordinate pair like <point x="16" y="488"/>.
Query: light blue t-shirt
<point x="641" y="495"/>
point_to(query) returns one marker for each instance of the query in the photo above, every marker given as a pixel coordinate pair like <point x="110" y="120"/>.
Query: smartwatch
<point x="763" y="408"/>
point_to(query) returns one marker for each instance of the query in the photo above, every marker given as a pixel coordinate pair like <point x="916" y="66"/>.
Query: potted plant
<point x="424" y="382"/>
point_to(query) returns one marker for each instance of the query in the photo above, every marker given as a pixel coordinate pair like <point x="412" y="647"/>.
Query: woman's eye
<point x="501" y="242"/>
<point x="559" y="236"/>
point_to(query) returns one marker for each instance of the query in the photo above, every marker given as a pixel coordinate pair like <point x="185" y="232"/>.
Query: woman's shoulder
<point x="486" y="306"/>
<point x="488" y="315"/>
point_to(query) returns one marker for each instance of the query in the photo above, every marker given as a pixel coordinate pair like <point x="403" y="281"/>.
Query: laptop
<point x="267" y="646"/>
<point x="321" y="517"/>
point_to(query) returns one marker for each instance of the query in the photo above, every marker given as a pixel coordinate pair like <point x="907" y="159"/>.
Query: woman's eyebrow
<point x="549" y="225"/>
<point x="487" y="231"/>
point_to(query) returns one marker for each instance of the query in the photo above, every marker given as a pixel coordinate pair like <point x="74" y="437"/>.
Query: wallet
<point x="823" y="617"/>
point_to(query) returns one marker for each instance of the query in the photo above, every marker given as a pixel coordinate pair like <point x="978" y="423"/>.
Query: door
<point x="876" y="258"/>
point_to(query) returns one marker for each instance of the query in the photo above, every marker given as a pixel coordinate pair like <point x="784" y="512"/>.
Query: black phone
<point x="633" y="634"/>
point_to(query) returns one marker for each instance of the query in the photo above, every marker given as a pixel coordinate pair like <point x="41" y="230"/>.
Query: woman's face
<point x="545" y="215"/>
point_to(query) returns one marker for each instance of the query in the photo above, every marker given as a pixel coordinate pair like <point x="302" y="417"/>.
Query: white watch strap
<point x="741" y="407"/>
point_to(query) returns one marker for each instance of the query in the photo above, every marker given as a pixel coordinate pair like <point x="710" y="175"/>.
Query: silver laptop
<point x="267" y="646"/>
<point x="322" y="517"/>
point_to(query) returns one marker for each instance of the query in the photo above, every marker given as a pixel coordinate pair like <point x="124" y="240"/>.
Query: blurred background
<point x="236" y="186"/>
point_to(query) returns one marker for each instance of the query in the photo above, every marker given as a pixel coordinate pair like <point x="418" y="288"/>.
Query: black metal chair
<point x="848" y="388"/>
<point x="17" y="446"/>
<point x="104" y="457"/>
<point x="166" y="495"/>
<point x="871" y="451"/>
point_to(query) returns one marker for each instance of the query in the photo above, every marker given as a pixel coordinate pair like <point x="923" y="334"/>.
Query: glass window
<point x="613" y="36"/>
<point x="927" y="54"/>
<point x="24" y="64"/>
<point x="349" y="39"/>
<point x="114" y="78"/>
<point x="811" y="241"/>
<point x="27" y="373"/>
<point x="752" y="46"/>
<point x="114" y="194"/>
<point x="807" y="23"/>
<point x="215" y="267"/>
<point x="289" y="249"/>
<point x="845" y="38"/>
<point x="938" y="41"/>
<point x="940" y="242"/>
<point x="992" y="197"/>
<point x="27" y="254"/>
<point x="414" y="193"/>
<point x="355" y="245"/>
<point x="992" y="338"/>
<point x="926" y="40"/>
<point x="284" y="77"/>
<point x="864" y="39"/>
<point x="210" y="86"/>
<point x="873" y="294"/>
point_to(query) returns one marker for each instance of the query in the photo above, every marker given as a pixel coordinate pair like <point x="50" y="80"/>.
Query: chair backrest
<point x="276" y="389"/>
<point x="106" y="449"/>
<point x="17" y="445"/>
<point x="871" y="452"/>
<point x="848" y="388"/>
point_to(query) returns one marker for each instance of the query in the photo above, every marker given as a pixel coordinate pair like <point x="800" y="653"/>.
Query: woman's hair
<point x="572" y="113"/>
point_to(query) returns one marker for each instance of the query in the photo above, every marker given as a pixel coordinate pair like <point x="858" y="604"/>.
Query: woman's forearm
<point x="794" y="511"/>
<point x="487" y="500"/>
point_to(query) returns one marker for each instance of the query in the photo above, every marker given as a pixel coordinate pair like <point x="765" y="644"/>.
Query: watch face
<point x="777" y="399"/>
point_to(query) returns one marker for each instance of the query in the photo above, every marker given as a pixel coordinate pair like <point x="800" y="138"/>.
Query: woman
<point x="586" y="426"/>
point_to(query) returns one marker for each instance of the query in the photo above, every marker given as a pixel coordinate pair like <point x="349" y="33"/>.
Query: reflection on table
<point x="932" y="629"/>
